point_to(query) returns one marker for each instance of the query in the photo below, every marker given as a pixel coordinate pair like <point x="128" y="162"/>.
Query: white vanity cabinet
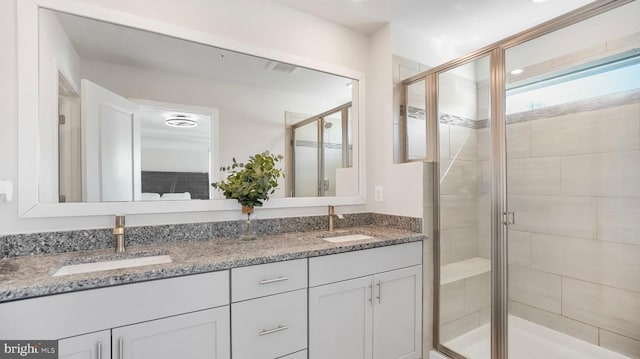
<point x="195" y="335"/>
<point x="366" y="304"/>
<point x="89" y="346"/>
<point x="183" y="317"/>
<point x="269" y="313"/>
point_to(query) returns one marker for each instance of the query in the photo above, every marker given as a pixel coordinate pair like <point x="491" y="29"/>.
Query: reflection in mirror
<point x="138" y="116"/>
<point x="322" y="152"/>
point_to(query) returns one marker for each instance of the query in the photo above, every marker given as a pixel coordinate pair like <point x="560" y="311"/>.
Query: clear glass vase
<point x="248" y="233"/>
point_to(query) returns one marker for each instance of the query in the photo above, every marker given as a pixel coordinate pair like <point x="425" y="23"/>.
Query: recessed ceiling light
<point x="517" y="71"/>
<point x="538" y="1"/>
<point x="180" y="121"/>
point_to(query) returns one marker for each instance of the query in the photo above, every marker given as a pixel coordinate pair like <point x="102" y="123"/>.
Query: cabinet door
<point x="199" y="335"/>
<point x="89" y="346"/>
<point x="340" y="320"/>
<point x="397" y="314"/>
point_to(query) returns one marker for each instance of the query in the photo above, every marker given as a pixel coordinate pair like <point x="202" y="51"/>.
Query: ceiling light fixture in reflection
<point x="180" y="121"/>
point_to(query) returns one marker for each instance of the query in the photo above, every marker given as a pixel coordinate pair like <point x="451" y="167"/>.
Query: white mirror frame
<point x="29" y="204"/>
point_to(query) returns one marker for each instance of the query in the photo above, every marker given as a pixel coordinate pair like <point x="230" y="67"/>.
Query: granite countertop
<point x="31" y="276"/>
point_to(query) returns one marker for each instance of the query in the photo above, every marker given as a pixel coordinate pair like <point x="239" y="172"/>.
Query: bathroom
<point x="556" y="211"/>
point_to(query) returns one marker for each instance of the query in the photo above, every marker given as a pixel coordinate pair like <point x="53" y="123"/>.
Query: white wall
<point x="255" y="26"/>
<point x="415" y="46"/>
<point x="402" y="183"/>
<point x="58" y="57"/>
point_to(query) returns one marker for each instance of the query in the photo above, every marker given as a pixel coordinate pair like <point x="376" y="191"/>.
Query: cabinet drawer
<point x="269" y="327"/>
<point x="70" y="314"/>
<point x="339" y="267"/>
<point x="299" y="355"/>
<point x="267" y="279"/>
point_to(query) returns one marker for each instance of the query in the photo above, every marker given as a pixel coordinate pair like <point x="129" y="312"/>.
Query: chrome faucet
<point x="118" y="234"/>
<point x="332" y="217"/>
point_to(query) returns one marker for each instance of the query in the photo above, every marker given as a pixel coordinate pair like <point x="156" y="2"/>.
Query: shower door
<point x="465" y="169"/>
<point x="573" y="190"/>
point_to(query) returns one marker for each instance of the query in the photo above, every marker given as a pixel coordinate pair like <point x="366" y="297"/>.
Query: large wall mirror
<point x="129" y="117"/>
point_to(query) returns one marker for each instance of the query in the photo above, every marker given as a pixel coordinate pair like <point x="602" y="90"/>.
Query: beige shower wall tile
<point x="578" y="56"/>
<point x="484" y="226"/>
<point x="612" y="129"/>
<point x="463" y="144"/>
<point x="621" y="344"/>
<point x="444" y="140"/>
<point x="625" y="42"/>
<point x="458" y="327"/>
<point x="460" y="177"/>
<point x="484" y="143"/>
<point x="477" y="293"/>
<point x="569" y="216"/>
<point x="613" y="309"/>
<point x="519" y="140"/>
<point x="485" y="316"/>
<point x="534" y="176"/>
<point x="553" y="321"/>
<point x="458" y="244"/>
<point x="619" y="220"/>
<point x="538" y="289"/>
<point x="452" y="301"/>
<point x="519" y="248"/>
<point x="406" y="70"/>
<point x="485" y="177"/>
<point x="457" y="211"/>
<point x="608" y="263"/>
<point x="605" y="174"/>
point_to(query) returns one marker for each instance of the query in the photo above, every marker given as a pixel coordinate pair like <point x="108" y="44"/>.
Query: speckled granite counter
<point x="30" y="276"/>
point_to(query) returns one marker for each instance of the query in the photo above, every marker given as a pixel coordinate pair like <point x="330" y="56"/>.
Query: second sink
<point x="112" y="264"/>
<point x="344" y="236"/>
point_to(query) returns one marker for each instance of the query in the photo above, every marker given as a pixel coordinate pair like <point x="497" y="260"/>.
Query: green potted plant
<point x="251" y="183"/>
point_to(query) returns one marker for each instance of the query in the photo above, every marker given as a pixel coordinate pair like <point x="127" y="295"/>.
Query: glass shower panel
<point x="332" y="155"/>
<point x="306" y="160"/>
<point x="573" y="185"/>
<point x="465" y="209"/>
<point x="416" y="145"/>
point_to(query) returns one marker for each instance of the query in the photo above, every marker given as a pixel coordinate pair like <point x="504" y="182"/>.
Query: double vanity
<point x="353" y="293"/>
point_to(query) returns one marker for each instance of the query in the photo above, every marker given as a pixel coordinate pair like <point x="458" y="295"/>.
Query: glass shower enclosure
<point x="537" y="193"/>
<point x="321" y="145"/>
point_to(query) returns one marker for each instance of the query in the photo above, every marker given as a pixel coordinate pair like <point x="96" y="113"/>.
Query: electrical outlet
<point x="378" y="194"/>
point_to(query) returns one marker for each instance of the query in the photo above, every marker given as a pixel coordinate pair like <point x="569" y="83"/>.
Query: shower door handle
<point x="509" y="218"/>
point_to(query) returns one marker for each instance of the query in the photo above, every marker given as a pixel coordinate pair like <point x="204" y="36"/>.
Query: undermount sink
<point x="340" y="237"/>
<point x="112" y="264"/>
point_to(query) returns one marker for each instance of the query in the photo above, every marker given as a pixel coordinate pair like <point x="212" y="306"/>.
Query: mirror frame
<point x="29" y="177"/>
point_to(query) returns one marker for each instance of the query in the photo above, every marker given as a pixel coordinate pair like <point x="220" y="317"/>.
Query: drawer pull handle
<point x="99" y="350"/>
<point x="121" y="347"/>
<point x="274" y="280"/>
<point x="274" y="330"/>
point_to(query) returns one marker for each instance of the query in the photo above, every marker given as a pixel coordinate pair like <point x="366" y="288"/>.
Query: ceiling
<point x="105" y="42"/>
<point x="471" y="24"/>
